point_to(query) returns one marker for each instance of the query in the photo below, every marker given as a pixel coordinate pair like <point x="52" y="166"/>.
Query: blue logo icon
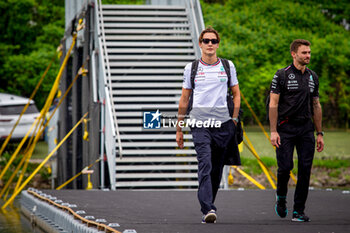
<point x="151" y="120"/>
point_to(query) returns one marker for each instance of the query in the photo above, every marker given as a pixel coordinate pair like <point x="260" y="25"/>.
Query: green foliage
<point x="255" y="36"/>
<point x="251" y="165"/>
<point x="258" y="40"/>
<point x="31" y="32"/>
<point x="332" y="163"/>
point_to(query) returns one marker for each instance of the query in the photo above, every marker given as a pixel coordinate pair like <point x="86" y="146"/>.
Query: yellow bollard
<point x="89" y="183"/>
<point x="230" y="177"/>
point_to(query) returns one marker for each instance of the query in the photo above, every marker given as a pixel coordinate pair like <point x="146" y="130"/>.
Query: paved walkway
<point x="249" y="211"/>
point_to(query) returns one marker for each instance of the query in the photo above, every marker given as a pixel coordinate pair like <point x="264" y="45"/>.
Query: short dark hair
<point x="297" y="43"/>
<point x="209" y="29"/>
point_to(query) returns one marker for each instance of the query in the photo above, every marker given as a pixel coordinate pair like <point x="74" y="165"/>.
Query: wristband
<point x="320" y="133"/>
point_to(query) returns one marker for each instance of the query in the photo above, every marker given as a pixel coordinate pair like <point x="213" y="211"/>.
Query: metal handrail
<point x="109" y="133"/>
<point x="194" y="18"/>
<point x="105" y="54"/>
<point x="195" y="14"/>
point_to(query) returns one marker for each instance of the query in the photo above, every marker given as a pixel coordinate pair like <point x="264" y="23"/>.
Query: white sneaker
<point x="210" y="217"/>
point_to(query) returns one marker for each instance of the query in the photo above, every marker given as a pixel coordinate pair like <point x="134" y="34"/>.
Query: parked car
<point x="11" y="107"/>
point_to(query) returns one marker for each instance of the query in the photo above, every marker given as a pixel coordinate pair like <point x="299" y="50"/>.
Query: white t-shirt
<point x="210" y="91"/>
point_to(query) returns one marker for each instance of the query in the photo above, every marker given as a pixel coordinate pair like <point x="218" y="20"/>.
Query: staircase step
<point x="147" y="78"/>
<point x="148" y="44"/>
<point x="139" y="13"/>
<point x="145" y="38"/>
<point x="189" y="51"/>
<point x="172" y="175"/>
<point x="160" y="152"/>
<point x="152" y="136"/>
<point x="141" y="129"/>
<point x="148" y="64"/>
<point x="145" y="85"/>
<point x="142" y="7"/>
<point x="152" y="57"/>
<point x="154" y="144"/>
<point x="146" y="25"/>
<point x="147" y="71"/>
<point x="146" y="99"/>
<point x="147" y="31"/>
<point x="155" y="184"/>
<point x="145" y="19"/>
<point x="155" y="167"/>
<point x="146" y="106"/>
<point x="138" y="122"/>
<point x="158" y="159"/>
<point x="139" y="114"/>
<point x="146" y="92"/>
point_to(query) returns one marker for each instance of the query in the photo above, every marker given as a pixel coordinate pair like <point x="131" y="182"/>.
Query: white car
<point x="11" y="107"/>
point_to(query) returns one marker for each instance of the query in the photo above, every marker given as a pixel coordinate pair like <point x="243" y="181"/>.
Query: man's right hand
<point x="180" y="139"/>
<point x="275" y="139"/>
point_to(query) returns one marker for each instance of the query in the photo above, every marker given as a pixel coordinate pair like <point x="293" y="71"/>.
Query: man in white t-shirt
<point x="209" y="103"/>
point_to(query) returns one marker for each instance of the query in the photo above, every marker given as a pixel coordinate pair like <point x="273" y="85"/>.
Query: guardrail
<point x="195" y="14"/>
<point x="109" y="122"/>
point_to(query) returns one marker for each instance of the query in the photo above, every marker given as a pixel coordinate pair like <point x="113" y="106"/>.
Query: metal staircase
<point x="147" y="49"/>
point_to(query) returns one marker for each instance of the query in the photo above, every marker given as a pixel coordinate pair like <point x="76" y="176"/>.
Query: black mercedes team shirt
<point x="296" y="93"/>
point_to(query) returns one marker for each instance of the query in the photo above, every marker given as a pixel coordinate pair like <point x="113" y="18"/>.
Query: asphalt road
<point x="248" y="211"/>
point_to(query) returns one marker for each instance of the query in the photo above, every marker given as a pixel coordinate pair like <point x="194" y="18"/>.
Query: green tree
<point x="256" y="36"/>
<point x="30" y="33"/>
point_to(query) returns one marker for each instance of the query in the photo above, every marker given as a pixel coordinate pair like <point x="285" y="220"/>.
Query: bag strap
<point x="226" y="65"/>
<point x="224" y="62"/>
<point x="194" y="69"/>
<point x="283" y="79"/>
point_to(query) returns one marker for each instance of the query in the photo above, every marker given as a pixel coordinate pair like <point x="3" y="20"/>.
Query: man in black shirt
<point x="294" y="101"/>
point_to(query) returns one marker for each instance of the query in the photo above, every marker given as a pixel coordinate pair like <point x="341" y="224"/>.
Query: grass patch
<point x="251" y="165"/>
<point x="336" y="144"/>
<point x="41" y="150"/>
<point x="332" y="163"/>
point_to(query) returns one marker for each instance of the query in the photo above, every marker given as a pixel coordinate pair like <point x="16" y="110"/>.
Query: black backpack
<point x="282" y="83"/>
<point x="229" y="98"/>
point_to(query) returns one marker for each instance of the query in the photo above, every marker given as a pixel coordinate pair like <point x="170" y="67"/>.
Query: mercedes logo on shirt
<point x="291" y="76"/>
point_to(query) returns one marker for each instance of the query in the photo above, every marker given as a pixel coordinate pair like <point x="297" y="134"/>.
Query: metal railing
<point x="195" y="14"/>
<point x="110" y="125"/>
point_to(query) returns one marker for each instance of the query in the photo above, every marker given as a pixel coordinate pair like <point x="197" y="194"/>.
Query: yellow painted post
<point x="255" y="116"/>
<point x="26" y="106"/>
<point x="46" y="108"/>
<point x="13" y="175"/>
<point x="230" y="178"/>
<point x="47" y="104"/>
<point x="77" y="175"/>
<point x="262" y="165"/>
<point x="251" y="179"/>
<point x="42" y="163"/>
<point x="89" y="183"/>
<point x="17" y="150"/>
<point x="264" y="131"/>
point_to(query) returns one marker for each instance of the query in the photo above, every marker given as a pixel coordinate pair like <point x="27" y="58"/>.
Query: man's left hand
<point x="320" y="143"/>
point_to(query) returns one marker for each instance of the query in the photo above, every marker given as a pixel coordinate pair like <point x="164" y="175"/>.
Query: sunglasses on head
<point x="213" y="41"/>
